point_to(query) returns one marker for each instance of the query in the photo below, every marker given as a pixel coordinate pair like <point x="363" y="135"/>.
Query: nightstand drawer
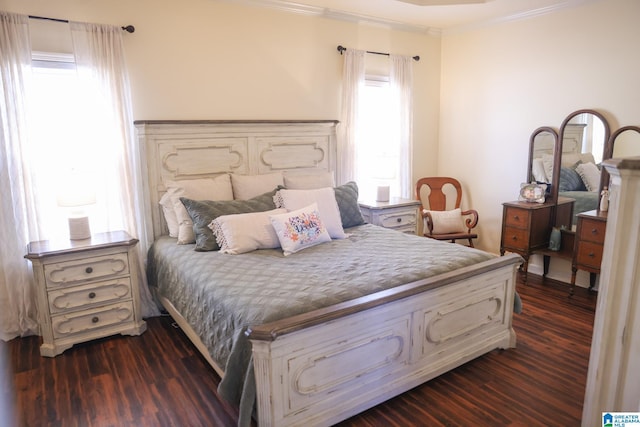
<point x="589" y="254"/>
<point x="593" y="231"/>
<point x="515" y="238"/>
<point x="515" y="217"/>
<point x="90" y="320"/>
<point x="86" y="269"/>
<point x="69" y="299"/>
<point x="399" y="219"/>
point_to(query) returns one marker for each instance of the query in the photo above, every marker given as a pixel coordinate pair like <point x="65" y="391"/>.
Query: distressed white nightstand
<point x="86" y="289"/>
<point x="397" y="214"/>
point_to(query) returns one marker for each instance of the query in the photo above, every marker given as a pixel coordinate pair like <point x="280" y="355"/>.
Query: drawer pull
<point x="95" y="319"/>
<point x="88" y="270"/>
<point x="516" y="217"/>
<point x="92" y="295"/>
<point x="591" y="254"/>
<point x="514" y="238"/>
<point x="594" y="231"/>
<point x="399" y="219"/>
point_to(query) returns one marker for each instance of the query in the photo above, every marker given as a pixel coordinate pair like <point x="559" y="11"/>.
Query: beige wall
<point x="204" y="59"/>
<point x="501" y="82"/>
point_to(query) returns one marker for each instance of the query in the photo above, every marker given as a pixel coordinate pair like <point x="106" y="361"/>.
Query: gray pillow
<point x="570" y="180"/>
<point x="347" y="198"/>
<point x="204" y="211"/>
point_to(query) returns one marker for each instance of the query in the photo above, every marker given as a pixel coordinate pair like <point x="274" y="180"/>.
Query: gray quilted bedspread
<point x="221" y="295"/>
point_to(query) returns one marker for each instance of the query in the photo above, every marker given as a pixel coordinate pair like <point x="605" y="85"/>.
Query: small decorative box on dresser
<point x="589" y="244"/>
<point x="86" y="289"/>
<point x="397" y="214"/>
<point x="526" y="227"/>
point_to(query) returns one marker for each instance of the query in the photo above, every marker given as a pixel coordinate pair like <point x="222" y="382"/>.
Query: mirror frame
<point x="557" y="158"/>
<point x="608" y="152"/>
<point x="532" y="140"/>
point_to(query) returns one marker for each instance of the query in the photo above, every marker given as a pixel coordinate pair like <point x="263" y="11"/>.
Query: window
<point x="377" y="144"/>
<point x="69" y="142"/>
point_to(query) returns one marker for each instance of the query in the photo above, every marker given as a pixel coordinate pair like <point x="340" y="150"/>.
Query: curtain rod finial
<point x="341" y="49"/>
<point x="129" y="28"/>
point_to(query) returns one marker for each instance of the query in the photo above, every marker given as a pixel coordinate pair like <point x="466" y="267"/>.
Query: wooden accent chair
<point x="442" y="221"/>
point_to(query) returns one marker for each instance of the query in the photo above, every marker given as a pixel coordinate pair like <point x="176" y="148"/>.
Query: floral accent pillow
<point x="300" y="229"/>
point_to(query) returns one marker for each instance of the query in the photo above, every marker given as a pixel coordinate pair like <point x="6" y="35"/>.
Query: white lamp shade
<point x="76" y="189"/>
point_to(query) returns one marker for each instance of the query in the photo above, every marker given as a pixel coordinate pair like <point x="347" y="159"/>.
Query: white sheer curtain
<point x="100" y="60"/>
<point x="401" y="81"/>
<point x="18" y="315"/>
<point x="26" y="200"/>
<point x="352" y="81"/>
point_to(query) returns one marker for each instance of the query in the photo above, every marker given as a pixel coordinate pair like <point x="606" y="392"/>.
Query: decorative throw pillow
<point x="240" y="233"/>
<point x="307" y="182"/>
<point x="203" y="212"/>
<point x="216" y="188"/>
<point x="590" y="175"/>
<point x="547" y="162"/>
<point x="538" y="172"/>
<point x="169" y="214"/>
<point x="327" y="206"/>
<point x="570" y="180"/>
<point x="347" y="199"/>
<point x="445" y="222"/>
<point x="300" y="229"/>
<point x="246" y="187"/>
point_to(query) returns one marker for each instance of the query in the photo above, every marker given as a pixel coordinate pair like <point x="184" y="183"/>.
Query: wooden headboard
<point x="190" y="149"/>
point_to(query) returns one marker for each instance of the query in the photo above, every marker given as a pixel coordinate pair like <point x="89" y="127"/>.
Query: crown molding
<point x="303" y="9"/>
<point x="515" y="17"/>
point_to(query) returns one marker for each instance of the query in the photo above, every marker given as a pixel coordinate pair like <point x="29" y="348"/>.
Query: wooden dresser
<point x="589" y="245"/>
<point x="526" y="227"/>
<point x="86" y="289"/>
<point x="397" y="214"/>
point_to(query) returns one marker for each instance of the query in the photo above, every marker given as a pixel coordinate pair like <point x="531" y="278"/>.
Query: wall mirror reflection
<point x="584" y="136"/>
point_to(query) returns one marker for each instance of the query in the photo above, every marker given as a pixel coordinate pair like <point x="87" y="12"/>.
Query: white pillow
<point x="327" y="206"/>
<point x="538" y="172"/>
<point x="246" y="187"/>
<point x="169" y="214"/>
<point x="590" y="175"/>
<point x="547" y="162"/>
<point x="300" y="229"/>
<point x="312" y="181"/>
<point x="240" y="233"/>
<point x="216" y="188"/>
<point x="445" y="222"/>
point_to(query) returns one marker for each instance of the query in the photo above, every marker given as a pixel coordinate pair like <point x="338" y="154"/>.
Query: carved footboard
<point x="325" y="366"/>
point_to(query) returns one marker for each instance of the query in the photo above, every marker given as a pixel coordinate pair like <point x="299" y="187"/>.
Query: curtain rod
<point x="342" y="49"/>
<point x="127" y="28"/>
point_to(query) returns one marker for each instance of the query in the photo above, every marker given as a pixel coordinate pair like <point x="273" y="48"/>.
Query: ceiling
<point x="422" y="15"/>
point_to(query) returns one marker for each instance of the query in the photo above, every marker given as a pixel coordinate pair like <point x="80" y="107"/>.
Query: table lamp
<point x="76" y="194"/>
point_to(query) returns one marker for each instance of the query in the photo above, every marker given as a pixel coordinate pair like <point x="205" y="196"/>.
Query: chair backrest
<point x="437" y="195"/>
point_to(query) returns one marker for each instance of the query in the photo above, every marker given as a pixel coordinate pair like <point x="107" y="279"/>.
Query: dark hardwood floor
<point x="159" y="379"/>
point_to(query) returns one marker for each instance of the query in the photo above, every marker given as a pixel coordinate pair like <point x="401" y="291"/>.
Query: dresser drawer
<point x="515" y="217"/>
<point x="85" y="269"/>
<point x="399" y="219"/>
<point x="593" y="231"/>
<point x="74" y="323"/>
<point x="589" y="254"/>
<point x="73" y="298"/>
<point x="515" y="238"/>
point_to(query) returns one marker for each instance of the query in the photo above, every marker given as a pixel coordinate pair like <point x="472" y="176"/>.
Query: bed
<point x="364" y="317"/>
